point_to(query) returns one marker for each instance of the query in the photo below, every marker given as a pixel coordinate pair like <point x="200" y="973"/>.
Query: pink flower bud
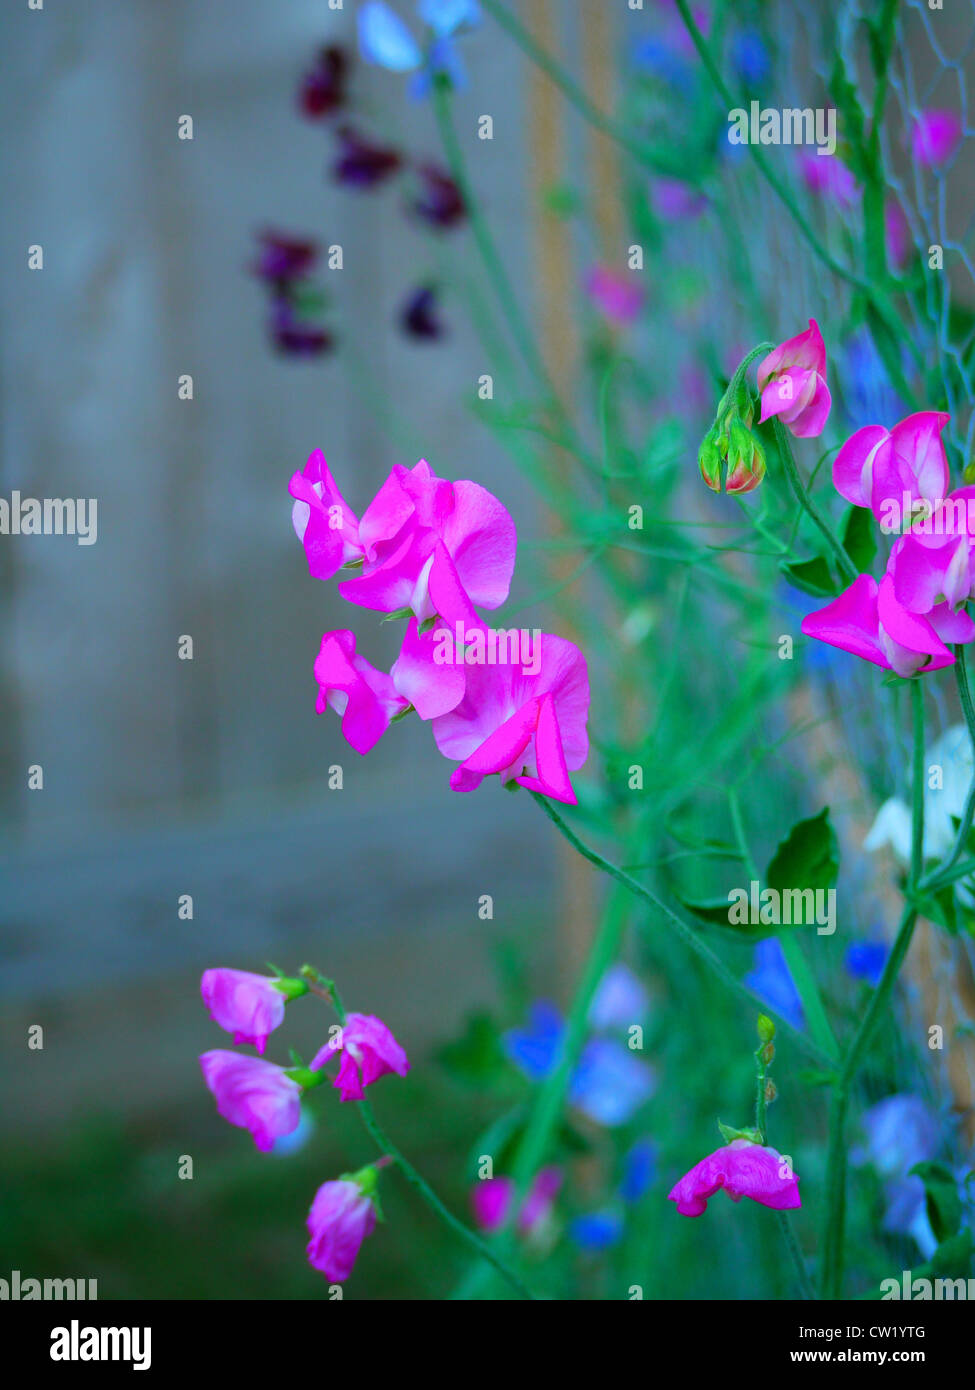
<point x="248" y="1006"/>
<point x="340" y="1218"/>
<point x="253" y="1094"/>
<point x="792" y="380"/>
<point x="743" y="1169"/>
<point x="368" y="1050"/>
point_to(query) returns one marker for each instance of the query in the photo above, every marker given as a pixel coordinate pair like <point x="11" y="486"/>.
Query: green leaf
<point x="943" y="1202"/>
<point x="713" y="910"/>
<point x="859" y="539"/>
<point x="953" y="1257"/>
<point x="811" y="576"/>
<point x="476" y="1057"/>
<point x="808" y="857"/>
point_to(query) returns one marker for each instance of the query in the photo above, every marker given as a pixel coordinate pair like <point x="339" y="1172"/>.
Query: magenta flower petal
<point x="368" y="1051"/>
<point x="502" y="749"/>
<point x="432" y="687"/>
<point x="919" y="454"/>
<point x="253" y="1094"/>
<point x="743" y="1169"/>
<point x="340" y="1218"/>
<point x="553" y="775"/>
<point x="935" y="136"/>
<point x="792" y="382"/>
<point x="853" y="465"/>
<point x="922" y="575"/>
<point x="324" y="522"/>
<point x="851" y="622"/>
<point x="246" y="1005"/>
<point x="908" y="639"/>
<point x="364" y="697"/>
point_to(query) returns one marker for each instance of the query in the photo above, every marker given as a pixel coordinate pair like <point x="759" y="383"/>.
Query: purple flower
<point x="439" y="201"/>
<point x="323" y="87"/>
<point x="770" y="978"/>
<point x="361" y="163"/>
<point x="341" y="1217"/>
<point x="418" y="316"/>
<point x="294" y="337"/>
<point x="368" y="1050"/>
<point x="246" y="1005"/>
<point x="253" y="1094"/>
<point x="935" y="136"/>
<point x="284" y="258"/>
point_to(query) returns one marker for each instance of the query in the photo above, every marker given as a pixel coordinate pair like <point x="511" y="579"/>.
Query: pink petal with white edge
<point x="919" y="454"/>
<point x="909" y="637"/>
<point x="365" y="697"/>
<point x="804" y="350"/>
<point x="324" y="522"/>
<point x="854" y="464"/>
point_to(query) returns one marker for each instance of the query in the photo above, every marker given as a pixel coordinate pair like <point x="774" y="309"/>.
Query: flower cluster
<point x="284" y="264"/>
<point x="905" y="622"/>
<point x="431" y="551"/>
<point x="362" y="163"/>
<point x="265" y="1098"/>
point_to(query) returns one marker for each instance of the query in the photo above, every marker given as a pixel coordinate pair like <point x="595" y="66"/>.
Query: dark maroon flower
<point x="295" y="337"/>
<point x="439" y="202"/>
<point x="361" y="164"/>
<point x="419" y="318"/>
<point x="284" y="258"/>
<point x="323" y="88"/>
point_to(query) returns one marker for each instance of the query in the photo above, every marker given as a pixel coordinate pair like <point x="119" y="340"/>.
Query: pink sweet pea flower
<point x="935" y="560"/>
<point x="246" y="1005"/>
<point x="868" y="620"/>
<point x="253" y="1094"/>
<point x="364" y="697"/>
<point x="369" y="1051"/>
<point x="877" y="468"/>
<point x="897" y="232"/>
<point x="432" y="687"/>
<point x="491" y="1201"/>
<point x="616" y="295"/>
<point x="935" y="136"/>
<point x="324" y="522"/>
<point x="340" y="1218"/>
<point x="424" y="537"/>
<point x="525" y="725"/>
<point x="829" y="176"/>
<point x="792" y="380"/>
<point x="743" y="1169"/>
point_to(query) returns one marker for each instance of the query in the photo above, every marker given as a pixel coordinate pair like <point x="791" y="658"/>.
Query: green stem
<point x="689" y="937"/>
<point x="806" y="1285"/>
<point x="803" y="978"/>
<point x="831" y="1271"/>
<point x="477" y="1245"/>
<point x="961" y="840"/>
<point x="327" y="989"/>
<point x="846" y="565"/>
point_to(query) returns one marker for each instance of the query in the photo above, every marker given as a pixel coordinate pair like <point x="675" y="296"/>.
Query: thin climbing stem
<point x="326" y="989"/>
<point x="686" y="934"/>
<point x="833" y="1238"/>
<point x="846" y="565"/>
